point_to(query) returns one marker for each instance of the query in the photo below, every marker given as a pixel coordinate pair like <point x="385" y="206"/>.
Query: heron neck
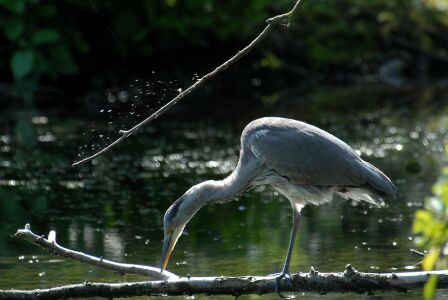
<point x="208" y="192"/>
<point x="229" y="188"/>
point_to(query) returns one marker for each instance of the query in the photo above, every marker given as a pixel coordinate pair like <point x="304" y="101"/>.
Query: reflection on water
<point x="114" y="207"/>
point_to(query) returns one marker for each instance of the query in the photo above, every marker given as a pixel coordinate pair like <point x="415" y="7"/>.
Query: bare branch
<point x="292" y="14"/>
<point x="272" y="22"/>
<point x="51" y="245"/>
<point x="313" y="282"/>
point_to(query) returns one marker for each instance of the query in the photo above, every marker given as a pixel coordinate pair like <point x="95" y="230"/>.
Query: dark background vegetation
<point x="75" y="50"/>
<point x="74" y="72"/>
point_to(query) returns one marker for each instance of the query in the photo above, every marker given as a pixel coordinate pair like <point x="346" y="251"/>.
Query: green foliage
<point x="39" y="41"/>
<point x="22" y="63"/>
<point x="270" y="60"/>
<point x="42" y="39"/>
<point x="158" y="26"/>
<point x="430" y="288"/>
<point x="45" y="38"/>
<point x="431" y="225"/>
<point x="342" y="31"/>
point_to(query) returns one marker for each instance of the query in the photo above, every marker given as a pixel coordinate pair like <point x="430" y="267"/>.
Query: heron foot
<point x="278" y="277"/>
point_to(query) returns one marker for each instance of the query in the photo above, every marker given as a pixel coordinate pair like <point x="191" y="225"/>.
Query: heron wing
<point x="310" y="156"/>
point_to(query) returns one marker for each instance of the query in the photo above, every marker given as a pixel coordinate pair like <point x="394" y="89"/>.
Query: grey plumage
<point x="304" y="163"/>
<point x="306" y="157"/>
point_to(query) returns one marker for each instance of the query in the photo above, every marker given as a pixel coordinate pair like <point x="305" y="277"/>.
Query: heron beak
<point x="168" y="246"/>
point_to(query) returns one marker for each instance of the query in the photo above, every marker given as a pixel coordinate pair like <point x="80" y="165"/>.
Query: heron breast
<point x="304" y="194"/>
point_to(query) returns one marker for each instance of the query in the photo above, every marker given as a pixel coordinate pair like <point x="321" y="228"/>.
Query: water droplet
<point x="241" y="208"/>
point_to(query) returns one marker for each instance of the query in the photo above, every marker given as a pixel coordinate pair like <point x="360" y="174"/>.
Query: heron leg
<point x="295" y="227"/>
<point x="285" y="272"/>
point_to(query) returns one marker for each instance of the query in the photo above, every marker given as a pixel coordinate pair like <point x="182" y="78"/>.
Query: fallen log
<point x="313" y="282"/>
<point x="350" y="280"/>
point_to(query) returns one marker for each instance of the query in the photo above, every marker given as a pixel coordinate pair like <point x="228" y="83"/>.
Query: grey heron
<point x="302" y="162"/>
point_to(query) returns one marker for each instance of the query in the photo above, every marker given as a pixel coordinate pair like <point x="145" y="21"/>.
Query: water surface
<point x="115" y="206"/>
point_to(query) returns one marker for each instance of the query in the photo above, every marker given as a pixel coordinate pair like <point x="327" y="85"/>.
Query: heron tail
<point x="379" y="181"/>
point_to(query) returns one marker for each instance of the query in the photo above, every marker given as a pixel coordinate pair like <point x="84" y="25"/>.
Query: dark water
<point x="114" y="208"/>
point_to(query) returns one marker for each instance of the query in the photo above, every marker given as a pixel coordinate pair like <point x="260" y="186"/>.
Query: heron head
<point x="173" y="226"/>
<point x="177" y="216"/>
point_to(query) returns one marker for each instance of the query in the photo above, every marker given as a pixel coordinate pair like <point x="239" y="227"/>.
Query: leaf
<point x="435" y="205"/>
<point x="15" y="6"/>
<point x="22" y="63"/>
<point x="430" y="260"/>
<point x="270" y="61"/>
<point x="430" y="288"/>
<point x="13" y="29"/>
<point x="45" y="36"/>
<point x="422" y="219"/>
<point x="170" y="3"/>
<point x="48" y="11"/>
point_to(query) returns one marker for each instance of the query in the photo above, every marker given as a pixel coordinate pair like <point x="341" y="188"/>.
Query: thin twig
<point x="272" y="22"/>
<point x="52" y="246"/>
<point x="416" y="252"/>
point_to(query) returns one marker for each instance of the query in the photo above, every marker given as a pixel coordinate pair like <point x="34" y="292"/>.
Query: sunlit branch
<point x="52" y="246"/>
<point x="350" y="280"/>
<point x="272" y="23"/>
<point x="313" y="282"/>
